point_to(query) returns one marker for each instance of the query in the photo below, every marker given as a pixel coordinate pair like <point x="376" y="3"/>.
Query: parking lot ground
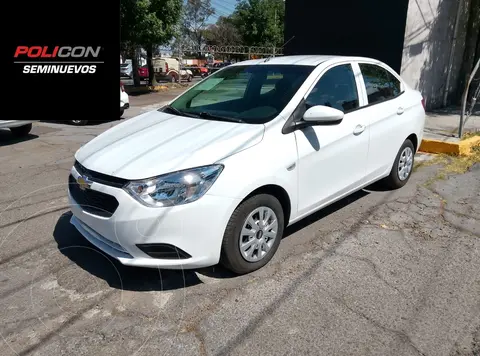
<point x="378" y="273"/>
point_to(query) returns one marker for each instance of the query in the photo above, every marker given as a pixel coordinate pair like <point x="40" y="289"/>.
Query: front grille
<point x="100" y="177"/>
<point x="92" y="201"/>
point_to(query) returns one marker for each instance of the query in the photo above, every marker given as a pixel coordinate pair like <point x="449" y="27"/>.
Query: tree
<point x="222" y="33"/>
<point x="195" y="16"/>
<point x="147" y="24"/>
<point x="260" y="22"/>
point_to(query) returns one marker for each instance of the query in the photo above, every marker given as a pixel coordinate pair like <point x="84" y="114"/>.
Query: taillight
<point x="166" y="67"/>
<point x="121" y="87"/>
<point x="423" y="103"/>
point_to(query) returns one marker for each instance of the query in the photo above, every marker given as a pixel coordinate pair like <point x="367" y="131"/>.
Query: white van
<point x="166" y="68"/>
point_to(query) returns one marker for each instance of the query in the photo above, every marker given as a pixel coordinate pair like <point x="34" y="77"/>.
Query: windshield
<point x="252" y="93"/>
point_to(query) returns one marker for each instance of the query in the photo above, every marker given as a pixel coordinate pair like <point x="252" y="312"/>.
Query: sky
<point x="222" y="8"/>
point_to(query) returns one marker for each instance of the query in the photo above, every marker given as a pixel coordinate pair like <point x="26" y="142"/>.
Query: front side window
<point x="250" y="93"/>
<point x="380" y="84"/>
<point x="336" y="88"/>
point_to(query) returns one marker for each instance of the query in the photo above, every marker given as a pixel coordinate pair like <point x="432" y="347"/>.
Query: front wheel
<point x="122" y="112"/>
<point x="21" y="131"/>
<point x="402" y="167"/>
<point x="190" y="78"/>
<point x="253" y="234"/>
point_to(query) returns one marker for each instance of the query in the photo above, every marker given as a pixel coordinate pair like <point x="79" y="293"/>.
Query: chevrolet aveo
<point x="219" y="173"/>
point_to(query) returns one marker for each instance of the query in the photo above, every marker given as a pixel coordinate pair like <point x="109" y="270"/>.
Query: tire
<point x="121" y="112"/>
<point x="21" y="131"/>
<point x="189" y="78"/>
<point x="396" y="180"/>
<point x="231" y="256"/>
<point x="79" y="122"/>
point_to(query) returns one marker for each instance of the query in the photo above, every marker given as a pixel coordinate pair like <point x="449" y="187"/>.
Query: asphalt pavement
<point x="378" y="273"/>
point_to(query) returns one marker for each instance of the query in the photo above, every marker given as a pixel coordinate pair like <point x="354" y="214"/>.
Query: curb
<point x="155" y="88"/>
<point x="460" y="148"/>
<point x="146" y="89"/>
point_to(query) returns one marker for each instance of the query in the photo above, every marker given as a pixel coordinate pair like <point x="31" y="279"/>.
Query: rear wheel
<point x="402" y="167"/>
<point x="253" y="234"/>
<point x="79" y="122"/>
<point x="21" y="131"/>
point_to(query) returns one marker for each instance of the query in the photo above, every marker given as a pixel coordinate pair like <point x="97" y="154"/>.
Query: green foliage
<point x="148" y="22"/>
<point x="260" y="22"/>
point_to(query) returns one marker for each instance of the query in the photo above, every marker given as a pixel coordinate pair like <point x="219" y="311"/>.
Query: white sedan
<point x="124" y="100"/>
<point x="124" y="104"/>
<point x="19" y="128"/>
<point x="217" y="175"/>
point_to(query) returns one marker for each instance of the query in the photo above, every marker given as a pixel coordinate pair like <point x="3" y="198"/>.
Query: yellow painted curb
<point x="158" y="88"/>
<point x="460" y="148"/>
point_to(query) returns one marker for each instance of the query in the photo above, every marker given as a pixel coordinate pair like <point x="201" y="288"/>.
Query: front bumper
<point x="196" y="228"/>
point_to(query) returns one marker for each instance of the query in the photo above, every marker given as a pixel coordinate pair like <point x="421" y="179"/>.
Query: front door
<point x="332" y="160"/>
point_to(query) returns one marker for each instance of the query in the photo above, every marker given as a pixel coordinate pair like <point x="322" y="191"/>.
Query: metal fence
<point x="227" y="49"/>
<point x="467" y="108"/>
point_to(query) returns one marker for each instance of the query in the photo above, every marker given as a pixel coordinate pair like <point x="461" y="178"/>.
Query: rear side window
<point x="381" y="85"/>
<point x="336" y="89"/>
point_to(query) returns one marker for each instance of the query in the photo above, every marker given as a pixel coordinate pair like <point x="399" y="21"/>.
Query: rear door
<point x="385" y="111"/>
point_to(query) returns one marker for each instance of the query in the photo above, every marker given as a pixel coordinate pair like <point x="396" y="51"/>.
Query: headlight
<point x="175" y="188"/>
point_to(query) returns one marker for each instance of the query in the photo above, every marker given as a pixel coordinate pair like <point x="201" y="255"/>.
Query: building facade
<point x="423" y="40"/>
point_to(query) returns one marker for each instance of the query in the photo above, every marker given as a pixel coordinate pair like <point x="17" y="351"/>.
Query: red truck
<point x="143" y="72"/>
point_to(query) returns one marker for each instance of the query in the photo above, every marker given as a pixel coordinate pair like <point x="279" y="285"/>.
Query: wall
<point x="427" y="44"/>
<point x="371" y="28"/>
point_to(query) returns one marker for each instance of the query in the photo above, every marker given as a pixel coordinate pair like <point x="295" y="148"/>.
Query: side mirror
<point x="323" y="115"/>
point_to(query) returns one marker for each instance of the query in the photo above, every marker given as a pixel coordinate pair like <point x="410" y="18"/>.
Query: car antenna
<point x="271" y="56"/>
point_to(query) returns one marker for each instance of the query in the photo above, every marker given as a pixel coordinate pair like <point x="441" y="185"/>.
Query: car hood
<point x="155" y="143"/>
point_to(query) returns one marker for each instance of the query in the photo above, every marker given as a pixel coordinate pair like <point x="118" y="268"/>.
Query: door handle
<point x="359" y="129"/>
<point x="400" y="111"/>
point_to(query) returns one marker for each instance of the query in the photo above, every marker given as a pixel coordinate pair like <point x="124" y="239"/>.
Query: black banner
<point x="61" y="60"/>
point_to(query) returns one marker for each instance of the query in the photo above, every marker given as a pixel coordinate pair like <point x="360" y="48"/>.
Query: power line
<point x="223" y="7"/>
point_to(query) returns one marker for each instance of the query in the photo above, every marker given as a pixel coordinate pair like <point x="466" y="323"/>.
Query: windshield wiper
<point x="176" y="111"/>
<point x="206" y="115"/>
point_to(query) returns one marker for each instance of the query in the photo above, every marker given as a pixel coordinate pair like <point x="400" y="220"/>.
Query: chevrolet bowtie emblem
<point x="83" y="183"/>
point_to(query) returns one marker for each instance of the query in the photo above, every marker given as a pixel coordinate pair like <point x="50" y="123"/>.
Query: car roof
<point x="307" y="60"/>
